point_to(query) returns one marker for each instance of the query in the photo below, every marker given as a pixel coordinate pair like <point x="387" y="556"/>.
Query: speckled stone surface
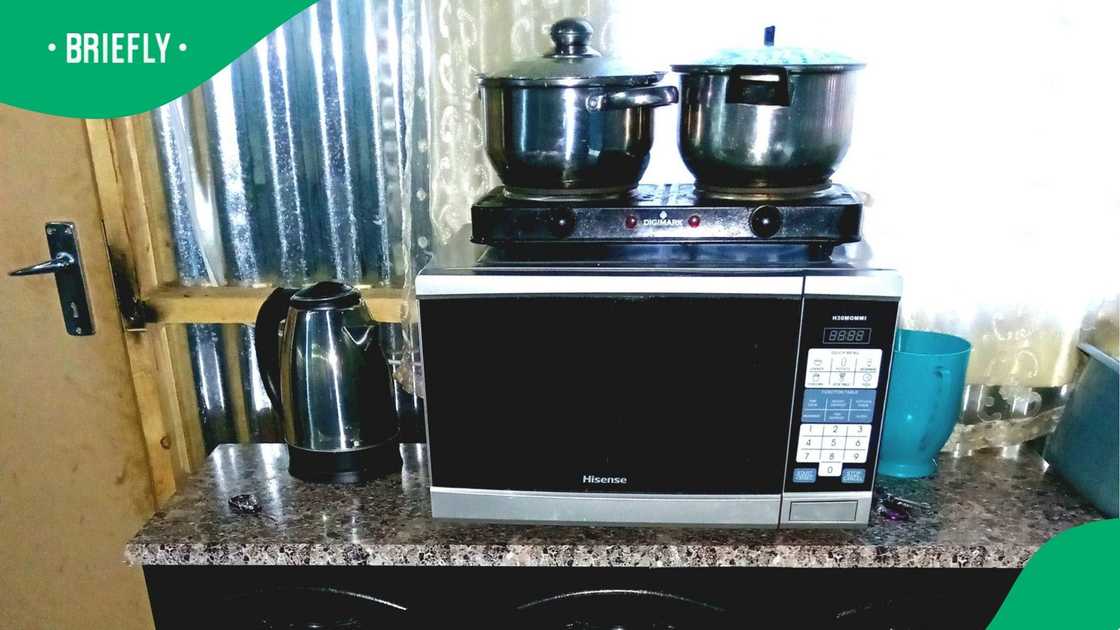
<point x="987" y="511"/>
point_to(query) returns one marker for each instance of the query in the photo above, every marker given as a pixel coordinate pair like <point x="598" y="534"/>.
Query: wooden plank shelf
<point x="239" y="305"/>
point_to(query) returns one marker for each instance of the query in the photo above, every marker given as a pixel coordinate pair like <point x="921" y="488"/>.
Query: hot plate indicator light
<point x="694" y="221"/>
<point x="631" y="222"/>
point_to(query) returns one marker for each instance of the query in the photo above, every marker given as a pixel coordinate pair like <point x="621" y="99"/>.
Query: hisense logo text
<point x="595" y="479"/>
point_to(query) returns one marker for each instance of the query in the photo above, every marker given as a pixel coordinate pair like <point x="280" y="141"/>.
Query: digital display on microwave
<point x="847" y="335"/>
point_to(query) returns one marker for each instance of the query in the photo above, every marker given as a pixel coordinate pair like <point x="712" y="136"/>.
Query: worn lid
<point x="326" y="295"/>
<point x="793" y="59"/>
<point x="573" y="62"/>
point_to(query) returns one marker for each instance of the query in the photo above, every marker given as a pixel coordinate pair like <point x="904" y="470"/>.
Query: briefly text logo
<point x="117" y="48"/>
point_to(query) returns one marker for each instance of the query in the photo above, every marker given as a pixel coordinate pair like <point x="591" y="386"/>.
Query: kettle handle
<point x="266" y="339"/>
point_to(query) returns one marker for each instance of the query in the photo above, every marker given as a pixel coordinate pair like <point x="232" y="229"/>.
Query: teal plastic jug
<point x="923" y="402"/>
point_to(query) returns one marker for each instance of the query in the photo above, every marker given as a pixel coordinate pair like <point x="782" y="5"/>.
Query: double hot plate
<point x="821" y="218"/>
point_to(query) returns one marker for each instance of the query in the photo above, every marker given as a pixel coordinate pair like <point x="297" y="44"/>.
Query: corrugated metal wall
<point x="303" y="160"/>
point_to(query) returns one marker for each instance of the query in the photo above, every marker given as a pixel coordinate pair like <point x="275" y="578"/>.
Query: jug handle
<point x="266" y="339"/>
<point x="943" y="375"/>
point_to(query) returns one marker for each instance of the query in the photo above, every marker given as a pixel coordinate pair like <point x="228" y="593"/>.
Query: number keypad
<point x="837" y="411"/>
<point x="832" y="443"/>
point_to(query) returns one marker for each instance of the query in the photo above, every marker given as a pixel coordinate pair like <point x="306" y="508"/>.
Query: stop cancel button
<point x="823" y="511"/>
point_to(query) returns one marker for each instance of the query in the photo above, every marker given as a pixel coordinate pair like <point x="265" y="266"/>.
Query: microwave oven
<point x="678" y="393"/>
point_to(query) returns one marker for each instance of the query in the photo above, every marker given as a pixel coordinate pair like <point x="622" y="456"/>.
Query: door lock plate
<point x="71" y="282"/>
<point x="66" y="265"/>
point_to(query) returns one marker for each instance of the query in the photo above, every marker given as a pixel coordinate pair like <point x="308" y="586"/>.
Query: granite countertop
<point x="987" y="511"/>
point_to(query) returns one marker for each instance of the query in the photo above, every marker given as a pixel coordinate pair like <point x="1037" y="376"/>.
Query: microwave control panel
<point x="838" y="406"/>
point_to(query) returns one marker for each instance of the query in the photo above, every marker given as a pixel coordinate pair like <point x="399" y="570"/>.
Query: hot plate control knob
<point x="562" y="222"/>
<point x="766" y="221"/>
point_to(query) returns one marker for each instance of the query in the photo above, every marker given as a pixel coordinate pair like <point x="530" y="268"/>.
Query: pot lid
<point x="792" y="58"/>
<point x="572" y="62"/>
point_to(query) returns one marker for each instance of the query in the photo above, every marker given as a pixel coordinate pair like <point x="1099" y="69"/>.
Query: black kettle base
<point x="354" y="466"/>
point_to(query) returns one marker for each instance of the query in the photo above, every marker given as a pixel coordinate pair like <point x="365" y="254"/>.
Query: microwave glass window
<point x="847" y="335"/>
<point x="671" y="394"/>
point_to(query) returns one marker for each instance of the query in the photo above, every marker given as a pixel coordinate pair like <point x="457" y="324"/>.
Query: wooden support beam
<point x="180" y="398"/>
<point x="167" y="465"/>
<point x="239" y="305"/>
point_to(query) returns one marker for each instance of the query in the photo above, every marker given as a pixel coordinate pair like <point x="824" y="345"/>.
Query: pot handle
<point x="758" y="85"/>
<point x="653" y="96"/>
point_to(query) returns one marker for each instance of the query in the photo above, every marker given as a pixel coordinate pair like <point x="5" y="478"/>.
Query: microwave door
<point x="606" y="393"/>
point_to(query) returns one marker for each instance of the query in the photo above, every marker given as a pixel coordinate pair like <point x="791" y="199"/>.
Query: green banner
<point x="1071" y="582"/>
<point x="114" y="58"/>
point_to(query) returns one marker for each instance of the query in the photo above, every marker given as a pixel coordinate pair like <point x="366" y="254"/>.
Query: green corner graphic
<point x="107" y="59"/>
<point x="1073" y="581"/>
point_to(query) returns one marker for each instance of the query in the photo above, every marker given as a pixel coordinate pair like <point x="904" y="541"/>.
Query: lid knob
<point x="572" y="37"/>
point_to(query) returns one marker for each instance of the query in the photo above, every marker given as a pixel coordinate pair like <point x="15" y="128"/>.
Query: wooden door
<point x="75" y="482"/>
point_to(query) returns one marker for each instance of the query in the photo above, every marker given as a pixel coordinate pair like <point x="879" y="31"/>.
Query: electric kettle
<point x="330" y="383"/>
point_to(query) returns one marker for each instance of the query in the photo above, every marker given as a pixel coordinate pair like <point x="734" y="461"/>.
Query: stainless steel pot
<point x="771" y="117"/>
<point x="571" y="122"/>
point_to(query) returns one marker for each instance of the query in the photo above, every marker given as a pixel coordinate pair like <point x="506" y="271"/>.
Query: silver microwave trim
<point x="603" y="508"/>
<point x="437" y="285"/>
<point x="864" y="284"/>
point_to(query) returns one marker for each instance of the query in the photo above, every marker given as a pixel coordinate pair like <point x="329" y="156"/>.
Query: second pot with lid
<point x="768" y="117"/>
<point x="572" y="122"/>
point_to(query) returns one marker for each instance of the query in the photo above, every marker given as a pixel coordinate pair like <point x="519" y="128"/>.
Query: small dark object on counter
<point x="245" y="504"/>
<point x="896" y="508"/>
<point x="892" y="514"/>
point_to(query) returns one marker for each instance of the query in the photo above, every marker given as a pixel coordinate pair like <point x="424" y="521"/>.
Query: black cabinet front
<point x="546" y="598"/>
<point x="685" y="394"/>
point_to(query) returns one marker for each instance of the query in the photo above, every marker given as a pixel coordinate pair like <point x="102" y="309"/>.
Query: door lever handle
<point x="61" y="262"/>
<point x="66" y="265"/>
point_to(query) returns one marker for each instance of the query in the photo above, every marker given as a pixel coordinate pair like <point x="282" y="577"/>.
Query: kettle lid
<point x="326" y="295"/>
